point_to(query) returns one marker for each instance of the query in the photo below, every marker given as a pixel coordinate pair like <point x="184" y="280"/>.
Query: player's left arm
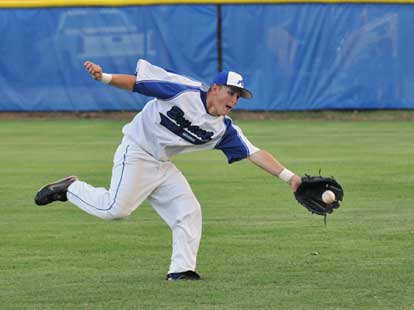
<point x="269" y="163"/>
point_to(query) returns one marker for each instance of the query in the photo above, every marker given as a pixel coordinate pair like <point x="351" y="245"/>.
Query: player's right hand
<point x="93" y="69"/>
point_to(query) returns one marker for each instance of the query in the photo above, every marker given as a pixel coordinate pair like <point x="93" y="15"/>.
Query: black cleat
<point x="185" y="275"/>
<point x="55" y="191"/>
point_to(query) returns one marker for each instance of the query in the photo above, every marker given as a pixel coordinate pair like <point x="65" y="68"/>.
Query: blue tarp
<point x="43" y="50"/>
<point x="293" y="56"/>
<point x="307" y="56"/>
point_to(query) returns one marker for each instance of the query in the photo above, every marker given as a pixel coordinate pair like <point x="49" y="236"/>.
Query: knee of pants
<point x="118" y="211"/>
<point x="191" y="221"/>
<point x="110" y="216"/>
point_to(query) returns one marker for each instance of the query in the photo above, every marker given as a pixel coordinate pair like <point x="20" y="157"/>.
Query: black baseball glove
<point x="309" y="194"/>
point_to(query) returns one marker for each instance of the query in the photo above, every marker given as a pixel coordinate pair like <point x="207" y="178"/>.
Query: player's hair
<point x="234" y="88"/>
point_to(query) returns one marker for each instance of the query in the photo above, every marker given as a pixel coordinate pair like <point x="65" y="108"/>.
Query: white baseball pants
<point x="137" y="176"/>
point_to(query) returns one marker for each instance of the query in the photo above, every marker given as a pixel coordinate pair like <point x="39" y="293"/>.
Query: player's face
<point x="224" y="99"/>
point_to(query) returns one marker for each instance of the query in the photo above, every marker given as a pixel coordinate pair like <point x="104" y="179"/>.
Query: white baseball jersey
<point x="177" y="121"/>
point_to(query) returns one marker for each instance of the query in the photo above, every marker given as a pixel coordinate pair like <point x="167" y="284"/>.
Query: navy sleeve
<point x="232" y="144"/>
<point x="161" y="89"/>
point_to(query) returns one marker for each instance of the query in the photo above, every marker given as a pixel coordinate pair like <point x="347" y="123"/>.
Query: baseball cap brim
<point x="244" y="93"/>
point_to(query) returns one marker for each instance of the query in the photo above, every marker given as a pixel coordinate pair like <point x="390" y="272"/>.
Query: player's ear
<point x="215" y="88"/>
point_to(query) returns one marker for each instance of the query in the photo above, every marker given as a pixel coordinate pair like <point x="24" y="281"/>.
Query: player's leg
<point x="134" y="177"/>
<point x="177" y="205"/>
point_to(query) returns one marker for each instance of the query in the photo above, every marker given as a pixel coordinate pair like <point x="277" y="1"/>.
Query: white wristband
<point x="286" y="175"/>
<point x="106" y="78"/>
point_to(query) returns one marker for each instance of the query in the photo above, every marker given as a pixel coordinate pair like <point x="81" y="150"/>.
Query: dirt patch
<point x="355" y="115"/>
<point x="69" y="115"/>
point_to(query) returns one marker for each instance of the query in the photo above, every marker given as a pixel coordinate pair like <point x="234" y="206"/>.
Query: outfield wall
<point x="293" y="56"/>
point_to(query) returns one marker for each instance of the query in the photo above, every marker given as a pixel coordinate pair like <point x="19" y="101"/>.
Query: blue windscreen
<point x="293" y="56"/>
<point x="316" y="56"/>
<point x="43" y="50"/>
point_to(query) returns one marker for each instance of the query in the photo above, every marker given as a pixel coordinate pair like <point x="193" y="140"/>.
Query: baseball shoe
<point x="55" y="191"/>
<point x="185" y="275"/>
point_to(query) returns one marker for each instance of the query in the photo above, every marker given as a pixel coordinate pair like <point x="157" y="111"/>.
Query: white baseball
<point x="328" y="196"/>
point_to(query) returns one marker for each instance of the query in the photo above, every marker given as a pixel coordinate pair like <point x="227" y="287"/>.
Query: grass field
<point x="260" y="249"/>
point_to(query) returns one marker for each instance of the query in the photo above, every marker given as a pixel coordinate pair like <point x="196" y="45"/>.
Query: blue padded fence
<point x="293" y="56"/>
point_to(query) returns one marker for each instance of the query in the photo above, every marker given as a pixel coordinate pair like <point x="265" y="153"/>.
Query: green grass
<point x="258" y="247"/>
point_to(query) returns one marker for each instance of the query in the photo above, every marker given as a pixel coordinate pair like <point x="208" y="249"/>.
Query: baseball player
<point x="184" y="116"/>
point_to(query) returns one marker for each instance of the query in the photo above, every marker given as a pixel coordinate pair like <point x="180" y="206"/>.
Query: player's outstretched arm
<point x="269" y="163"/>
<point x="123" y="81"/>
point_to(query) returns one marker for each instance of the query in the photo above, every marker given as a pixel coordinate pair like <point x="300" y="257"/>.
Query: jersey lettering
<point x="179" y="125"/>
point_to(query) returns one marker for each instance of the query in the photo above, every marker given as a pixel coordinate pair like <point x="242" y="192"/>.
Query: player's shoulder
<point x="142" y="63"/>
<point x="161" y="72"/>
<point x="231" y="126"/>
<point x="228" y="121"/>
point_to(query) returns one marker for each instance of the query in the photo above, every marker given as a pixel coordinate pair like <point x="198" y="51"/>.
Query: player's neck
<point x="211" y="109"/>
